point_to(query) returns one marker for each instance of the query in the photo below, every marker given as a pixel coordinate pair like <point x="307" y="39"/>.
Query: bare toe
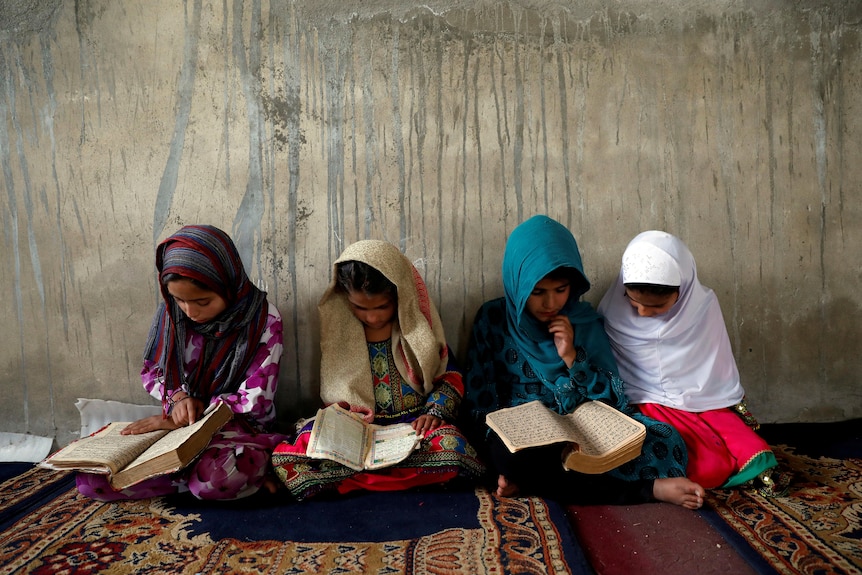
<point x="679" y="491"/>
<point x="270" y="484"/>
<point x="505" y="488"/>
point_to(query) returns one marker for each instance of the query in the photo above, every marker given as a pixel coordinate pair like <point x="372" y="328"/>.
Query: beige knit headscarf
<point x="418" y="340"/>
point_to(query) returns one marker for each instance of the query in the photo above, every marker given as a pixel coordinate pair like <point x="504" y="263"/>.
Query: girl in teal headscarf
<point x="540" y="342"/>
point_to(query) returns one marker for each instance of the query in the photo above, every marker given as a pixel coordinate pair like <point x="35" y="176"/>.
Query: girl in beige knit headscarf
<point x="384" y="355"/>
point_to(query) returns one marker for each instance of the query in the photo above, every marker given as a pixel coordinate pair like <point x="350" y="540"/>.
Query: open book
<point x="129" y="459"/>
<point x="342" y="436"/>
<point x="601" y="438"/>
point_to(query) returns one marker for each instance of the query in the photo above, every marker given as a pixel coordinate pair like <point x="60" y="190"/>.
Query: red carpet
<point x="815" y="529"/>
<point x="653" y="538"/>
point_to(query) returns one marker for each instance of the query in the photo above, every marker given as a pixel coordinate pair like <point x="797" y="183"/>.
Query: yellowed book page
<point x="529" y="425"/>
<point x="339" y="436"/>
<point x="107" y="447"/>
<point x="170" y="442"/>
<point x="391" y="444"/>
<point x="601" y="429"/>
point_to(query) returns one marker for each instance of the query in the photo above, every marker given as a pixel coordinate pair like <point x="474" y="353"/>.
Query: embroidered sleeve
<point x="445" y="399"/>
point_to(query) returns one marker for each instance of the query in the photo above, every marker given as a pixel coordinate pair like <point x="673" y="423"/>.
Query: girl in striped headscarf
<point x="215" y="338"/>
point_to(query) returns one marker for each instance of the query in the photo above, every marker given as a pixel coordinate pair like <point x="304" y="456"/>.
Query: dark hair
<point x="353" y="276"/>
<point x="561" y="274"/>
<point x="654" y="289"/>
<point x="577" y="282"/>
<point x="171" y="277"/>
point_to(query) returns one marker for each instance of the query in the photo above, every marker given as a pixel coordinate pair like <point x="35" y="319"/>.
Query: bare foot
<point x="506" y="489"/>
<point x="679" y="491"/>
<point x="270" y="484"/>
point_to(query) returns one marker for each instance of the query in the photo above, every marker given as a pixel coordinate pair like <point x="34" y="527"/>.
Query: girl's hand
<point x="366" y="414"/>
<point x="147" y="424"/>
<point x="564" y="338"/>
<point x="186" y="410"/>
<point x="426" y="423"/>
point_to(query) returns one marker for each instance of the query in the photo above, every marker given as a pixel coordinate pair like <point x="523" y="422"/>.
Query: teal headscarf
<point x="534" y="249"/>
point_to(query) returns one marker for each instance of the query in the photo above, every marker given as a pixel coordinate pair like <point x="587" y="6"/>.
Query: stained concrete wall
<point x="300" y="127"/>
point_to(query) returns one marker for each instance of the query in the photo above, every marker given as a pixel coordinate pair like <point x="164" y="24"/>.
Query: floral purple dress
<point x="235" y="462"/>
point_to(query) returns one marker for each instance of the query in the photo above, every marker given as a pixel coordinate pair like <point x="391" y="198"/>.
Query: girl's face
<point x="649" y="304"/>
<point x="548" y="298"/>
<point x="200" y="305"/>
<point x="375" y="311"/>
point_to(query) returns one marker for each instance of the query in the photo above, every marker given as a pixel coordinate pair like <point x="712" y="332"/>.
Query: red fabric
<point x="300" y="447"/>
<point x="388" y="479"/>
<point x="394" y="479"/>
<point x="719" y="443"/>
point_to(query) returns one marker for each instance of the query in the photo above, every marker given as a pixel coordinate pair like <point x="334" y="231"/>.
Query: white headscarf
<point x="682" y="358"/>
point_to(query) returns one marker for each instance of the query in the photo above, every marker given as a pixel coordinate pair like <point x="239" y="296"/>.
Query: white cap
<point x="644" y="263"/>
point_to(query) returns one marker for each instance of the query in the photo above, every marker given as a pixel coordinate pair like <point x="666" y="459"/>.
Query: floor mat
<point x="654" y="538"/>
<point x="815" y="528"/>
<point x="465" y="532"/>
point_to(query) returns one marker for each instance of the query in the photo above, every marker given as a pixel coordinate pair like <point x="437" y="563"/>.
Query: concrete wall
<point x="300" y="127"/>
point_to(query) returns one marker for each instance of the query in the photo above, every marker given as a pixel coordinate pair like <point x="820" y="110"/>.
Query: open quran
<point x="598" y="437"/>
<point x="342" y="436"/>
<point x="129" y="459"/>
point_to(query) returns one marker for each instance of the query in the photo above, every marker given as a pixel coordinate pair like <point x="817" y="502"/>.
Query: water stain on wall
<point x="300" y="127"/>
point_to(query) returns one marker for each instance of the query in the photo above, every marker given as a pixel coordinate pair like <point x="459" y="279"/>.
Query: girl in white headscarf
<point x="671" y="344"/>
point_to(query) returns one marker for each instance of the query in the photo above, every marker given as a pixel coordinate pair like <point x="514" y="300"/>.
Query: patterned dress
<point x="442" y="455"/>
<point x="235" y="462"/>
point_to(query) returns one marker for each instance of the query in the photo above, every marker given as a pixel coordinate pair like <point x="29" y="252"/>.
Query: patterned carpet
<point x="815" y="529"/>
<point x="47" y="527"/>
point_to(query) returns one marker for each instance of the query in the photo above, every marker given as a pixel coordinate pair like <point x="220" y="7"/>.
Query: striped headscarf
<point x="207" y="255"/>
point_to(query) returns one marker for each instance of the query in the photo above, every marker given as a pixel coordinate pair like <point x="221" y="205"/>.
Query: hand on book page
<point x="130" y="458"/>
<point x="366" y="414"/>
<point x="343" y="436"/>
